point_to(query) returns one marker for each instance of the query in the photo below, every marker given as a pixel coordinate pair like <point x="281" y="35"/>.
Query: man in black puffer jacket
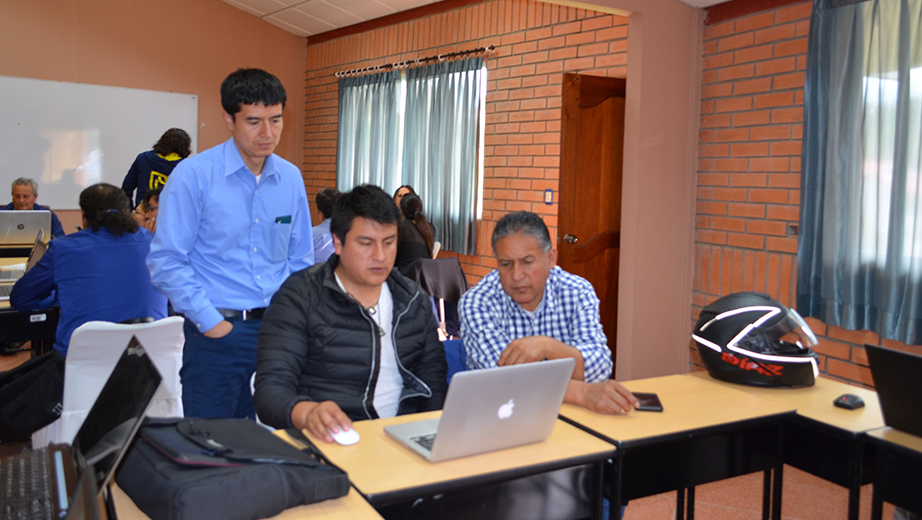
<point x="350" y="339"/>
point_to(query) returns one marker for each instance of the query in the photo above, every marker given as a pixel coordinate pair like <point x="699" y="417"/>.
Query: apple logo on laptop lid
<point x="505" y="410"/>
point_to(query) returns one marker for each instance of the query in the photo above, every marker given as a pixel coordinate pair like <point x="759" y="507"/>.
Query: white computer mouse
<point x="345" y="437"/>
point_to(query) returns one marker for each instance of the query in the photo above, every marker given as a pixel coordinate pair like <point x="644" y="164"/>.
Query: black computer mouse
<point x="849" y="401"/>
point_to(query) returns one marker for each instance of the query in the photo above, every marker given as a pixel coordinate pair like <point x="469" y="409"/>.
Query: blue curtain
<point x="369" y="132"/>
<point x="440" y="154"/>
<point x="860" y="249"/>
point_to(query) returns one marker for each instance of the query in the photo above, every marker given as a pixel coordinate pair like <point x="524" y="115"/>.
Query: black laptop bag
<point x="30" y="396"/>
<point x="196" y="469"/>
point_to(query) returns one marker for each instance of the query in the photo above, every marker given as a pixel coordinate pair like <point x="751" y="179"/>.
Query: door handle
<point x="570" y="239"/>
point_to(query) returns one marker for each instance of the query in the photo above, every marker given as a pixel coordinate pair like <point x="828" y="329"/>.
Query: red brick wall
<point x="748" y="201"/>
<point x="536" y="43"/>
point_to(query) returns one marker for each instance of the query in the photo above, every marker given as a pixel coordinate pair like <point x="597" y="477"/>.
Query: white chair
<point x="252" y="393"/>
<point x="95" y="348"/>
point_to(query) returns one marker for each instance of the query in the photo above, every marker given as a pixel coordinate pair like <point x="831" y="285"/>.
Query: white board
<point x="68" y="136"/>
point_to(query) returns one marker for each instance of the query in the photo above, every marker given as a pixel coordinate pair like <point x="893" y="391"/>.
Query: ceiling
<point x="309" y="17"/>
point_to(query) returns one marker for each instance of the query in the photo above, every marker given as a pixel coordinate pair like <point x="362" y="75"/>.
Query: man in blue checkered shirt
<point x="528" y="310"/>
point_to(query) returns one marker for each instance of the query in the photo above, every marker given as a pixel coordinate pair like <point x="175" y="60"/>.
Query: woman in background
<point x="415" y="235"/>
<point x="403" y="191"/>
<point x="151" y="168"/>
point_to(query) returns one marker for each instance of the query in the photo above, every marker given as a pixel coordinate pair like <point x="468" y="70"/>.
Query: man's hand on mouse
<point x="320" y="418"/>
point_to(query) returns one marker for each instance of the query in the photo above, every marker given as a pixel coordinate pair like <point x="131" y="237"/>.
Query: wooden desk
<point x="706" y="432"/>
<point x="349" y="507"/>
<point x="823" y="439"/>
<point x="391" y="477"/>
<point x="38" y="327"/>
<point x="898" y="464"/>
<point x="13" y="260"/>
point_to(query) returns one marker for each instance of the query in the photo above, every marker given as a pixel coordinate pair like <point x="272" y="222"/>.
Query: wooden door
<point x="589" y="217"/>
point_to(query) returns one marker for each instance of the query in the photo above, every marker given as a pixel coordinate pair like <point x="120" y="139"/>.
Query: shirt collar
<point x="233" y="161"/>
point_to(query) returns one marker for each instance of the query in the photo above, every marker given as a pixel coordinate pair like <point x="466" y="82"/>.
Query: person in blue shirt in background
<point x="98" y="273"/>
<point x="25" y="191"/>
<point x="151" y="169"/>
<point x="233" y="224"/>
<point x="323" y="238"/>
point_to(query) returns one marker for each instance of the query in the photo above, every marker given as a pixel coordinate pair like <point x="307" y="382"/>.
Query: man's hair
<point x="174" y="140"/>
<point x="325" y="199"/>
<point x="25" y="181"/>
<point x="251" y="87"/>
<point x="366" y="201"/>
<point x="152" y="194"/>
<point x="524" y="222"/>
<point x="105" y="205"/>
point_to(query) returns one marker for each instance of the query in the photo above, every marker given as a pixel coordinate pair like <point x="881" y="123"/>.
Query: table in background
<point x="706" y="432"/>
<point x="563" y="473"/>
<point x="823" y="439"/>
<point x="37" y="326"/>
<point x="897" y="470"/>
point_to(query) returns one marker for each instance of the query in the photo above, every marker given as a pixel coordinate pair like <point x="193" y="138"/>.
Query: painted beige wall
<point x="186" y="46"/>
<point x="660" y="154"/>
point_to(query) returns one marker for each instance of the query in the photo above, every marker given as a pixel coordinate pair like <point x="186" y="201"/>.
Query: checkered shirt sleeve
<point x="490" y="320"/>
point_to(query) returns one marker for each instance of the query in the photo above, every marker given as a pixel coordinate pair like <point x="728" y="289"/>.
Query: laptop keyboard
<point x="424" y="440"/>
<point x="25" y="487"/>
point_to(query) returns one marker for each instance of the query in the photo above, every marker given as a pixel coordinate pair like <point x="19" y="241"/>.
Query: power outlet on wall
<point x="548" y="196"/>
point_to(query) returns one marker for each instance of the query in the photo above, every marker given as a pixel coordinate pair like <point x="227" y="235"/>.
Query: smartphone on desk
<point x="648" y="402"/>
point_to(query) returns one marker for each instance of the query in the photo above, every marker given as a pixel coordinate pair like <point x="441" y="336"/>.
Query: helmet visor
<point x="789" y="335"/>
<point x="798" y="333"/>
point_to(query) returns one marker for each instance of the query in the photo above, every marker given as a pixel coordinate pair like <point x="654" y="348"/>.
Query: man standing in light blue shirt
<point x="323" y="238"/>
<point x="233" y="224"/>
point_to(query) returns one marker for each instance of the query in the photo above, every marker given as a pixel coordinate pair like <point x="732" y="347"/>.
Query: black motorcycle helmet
<point x="752" y="339"/>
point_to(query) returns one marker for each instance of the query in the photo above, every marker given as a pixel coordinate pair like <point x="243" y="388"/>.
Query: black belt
<point x="252" y="314"/>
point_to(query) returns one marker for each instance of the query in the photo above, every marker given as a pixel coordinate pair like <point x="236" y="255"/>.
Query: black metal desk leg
<point x="690" y="505"/>
<point x="854" y="480"/>
<point x="766" y="494"/>
<point x="877" y="497"/>
<point x="776" y="491"/>
<point x="614" y="501"/>
<point x="680" y="504"/>
<point x="598" y="489"/>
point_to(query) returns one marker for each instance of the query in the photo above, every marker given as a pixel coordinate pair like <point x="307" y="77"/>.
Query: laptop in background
<point x="487" y="410"/>
<point x="99" y="446"/>
<point x="10" y="275"/>
<point x="899" y="387"/>
<point x="20" y="227"/>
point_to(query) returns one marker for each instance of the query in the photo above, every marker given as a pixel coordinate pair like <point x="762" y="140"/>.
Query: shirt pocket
<point x="280" y="238"/>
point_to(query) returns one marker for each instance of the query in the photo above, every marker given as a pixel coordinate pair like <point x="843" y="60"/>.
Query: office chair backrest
<point x="94" y="349"/>
<point x="444" y="281"/>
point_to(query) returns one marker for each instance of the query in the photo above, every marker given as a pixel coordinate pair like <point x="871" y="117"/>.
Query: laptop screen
<point x="38" y="251"/>
<point x="19" y="227"/>
<point x="117" y="413"/>
<point x="898" y="385"/>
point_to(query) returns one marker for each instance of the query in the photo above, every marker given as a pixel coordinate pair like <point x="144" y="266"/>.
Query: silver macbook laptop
<point x="20" y="227"/>
<point x="488" y="410"/>
<point x="899" y="387"/>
